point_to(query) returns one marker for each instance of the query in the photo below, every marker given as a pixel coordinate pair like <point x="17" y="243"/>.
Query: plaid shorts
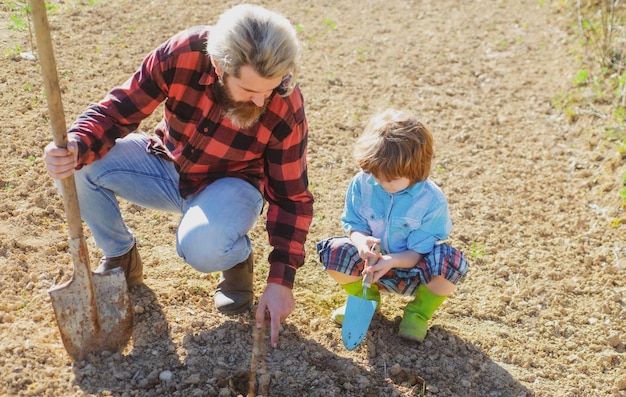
<point x="339" y="254"/>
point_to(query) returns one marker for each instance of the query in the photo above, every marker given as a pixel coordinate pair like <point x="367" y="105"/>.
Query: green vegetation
<point x="20" y="21"/>
<point x="363" y="53"/>
<point x="600" y="84"/>
<point x="477" y="250"/>
<point x="623" y="191"/>
<point x="17" y="49"/>
<point x="330" y="24"/>
<point x="20" y="14"/>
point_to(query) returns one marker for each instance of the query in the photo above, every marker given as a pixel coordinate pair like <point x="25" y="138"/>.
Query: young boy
<point x="392" y="202"/>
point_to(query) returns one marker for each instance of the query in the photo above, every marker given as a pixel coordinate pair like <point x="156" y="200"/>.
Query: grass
<point x="330" y="24"/>
<point x="599" y="86"/>
<point x="20" y="21"/>
<point x="15" y="51"/>
<point x="623" y="191"/>
<point x="477" y="250"/>
<point x="20" y="17"/>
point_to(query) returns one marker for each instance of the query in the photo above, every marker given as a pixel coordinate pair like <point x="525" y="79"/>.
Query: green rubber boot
<point x="414" y="324"/>
<point x="356" y="289"/>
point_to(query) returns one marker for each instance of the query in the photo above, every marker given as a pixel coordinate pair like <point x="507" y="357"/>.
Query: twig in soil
<point x="258" y="347"/>
<point x="593" y="111"/>
<point x="419" y="390"/>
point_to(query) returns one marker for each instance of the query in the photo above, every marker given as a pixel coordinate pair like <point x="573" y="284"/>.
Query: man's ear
<point x="218" y="70"/>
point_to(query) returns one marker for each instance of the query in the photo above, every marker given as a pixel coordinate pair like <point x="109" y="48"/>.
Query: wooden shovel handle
<point x="55" y="107"/>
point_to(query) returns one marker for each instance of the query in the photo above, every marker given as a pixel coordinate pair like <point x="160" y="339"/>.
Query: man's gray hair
<point x="254" y="36"/>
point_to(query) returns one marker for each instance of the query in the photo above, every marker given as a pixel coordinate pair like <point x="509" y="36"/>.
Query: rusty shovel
<point x="93" y="310"/>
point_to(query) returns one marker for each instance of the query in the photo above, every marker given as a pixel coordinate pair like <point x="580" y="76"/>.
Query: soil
<point x="533" y="192"/>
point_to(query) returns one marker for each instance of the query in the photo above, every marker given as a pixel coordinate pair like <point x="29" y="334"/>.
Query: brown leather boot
<point x="234" y="291"/>
<point x="130" y="262"/>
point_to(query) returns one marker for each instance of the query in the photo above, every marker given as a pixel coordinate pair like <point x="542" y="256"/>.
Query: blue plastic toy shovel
<point x="359" y="312"/>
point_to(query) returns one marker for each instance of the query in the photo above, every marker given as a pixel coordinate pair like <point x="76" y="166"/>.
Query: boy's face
<point x="395" y="185"/>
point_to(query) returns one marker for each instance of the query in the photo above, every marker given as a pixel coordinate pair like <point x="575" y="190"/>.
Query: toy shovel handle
<point x="367" y="280"/>
<point x="55" y="107"/>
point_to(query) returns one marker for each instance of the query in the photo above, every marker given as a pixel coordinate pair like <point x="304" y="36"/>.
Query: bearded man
<point x="233" y="137"/>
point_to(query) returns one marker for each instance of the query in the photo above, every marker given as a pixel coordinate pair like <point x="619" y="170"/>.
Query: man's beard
<point x="242" y="114"/>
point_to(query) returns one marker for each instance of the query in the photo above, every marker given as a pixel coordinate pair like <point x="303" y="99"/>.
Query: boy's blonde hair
<point x="395" y="144"/>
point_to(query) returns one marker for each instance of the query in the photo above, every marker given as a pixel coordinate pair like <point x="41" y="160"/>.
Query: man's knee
<point x="209" y="255"/>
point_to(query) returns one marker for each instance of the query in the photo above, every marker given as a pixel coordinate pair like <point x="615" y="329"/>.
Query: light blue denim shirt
<point x="412" y="219"/>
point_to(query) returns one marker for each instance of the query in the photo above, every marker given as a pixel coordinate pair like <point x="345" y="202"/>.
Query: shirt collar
<point x="208" y="76"/>
<point x="414" y="190"/>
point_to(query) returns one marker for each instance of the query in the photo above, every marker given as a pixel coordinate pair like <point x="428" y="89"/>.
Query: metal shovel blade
<point x="356" y="322"/>
<point x="359" y="311"/>
<point x="93" y="311"/>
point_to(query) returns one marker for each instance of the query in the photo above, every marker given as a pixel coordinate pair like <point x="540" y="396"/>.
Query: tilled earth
<point x="534" y="196"/>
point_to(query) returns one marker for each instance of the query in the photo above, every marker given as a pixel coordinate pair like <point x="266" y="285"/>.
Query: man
<point x="233" y="135"/>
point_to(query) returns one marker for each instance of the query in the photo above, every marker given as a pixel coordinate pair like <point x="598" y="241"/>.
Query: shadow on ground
<point x="448" y="365"/>
<point x="233" y="359"/>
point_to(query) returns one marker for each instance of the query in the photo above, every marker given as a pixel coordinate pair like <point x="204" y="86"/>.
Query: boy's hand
<point x="400" y="260"/>
<point x="369" y="255"/>
<point x="384" y="264"/>
<point x="364" y="245"/>
<point x="373" y="255"/>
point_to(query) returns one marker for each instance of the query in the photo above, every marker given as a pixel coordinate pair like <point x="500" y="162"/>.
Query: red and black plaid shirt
<point x="205" y="146"/>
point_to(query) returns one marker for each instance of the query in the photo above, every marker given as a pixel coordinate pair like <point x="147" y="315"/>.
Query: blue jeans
<point x="212" y="233"/>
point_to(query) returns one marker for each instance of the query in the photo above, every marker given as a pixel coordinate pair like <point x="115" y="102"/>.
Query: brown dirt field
<point x="534" y="197"/>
